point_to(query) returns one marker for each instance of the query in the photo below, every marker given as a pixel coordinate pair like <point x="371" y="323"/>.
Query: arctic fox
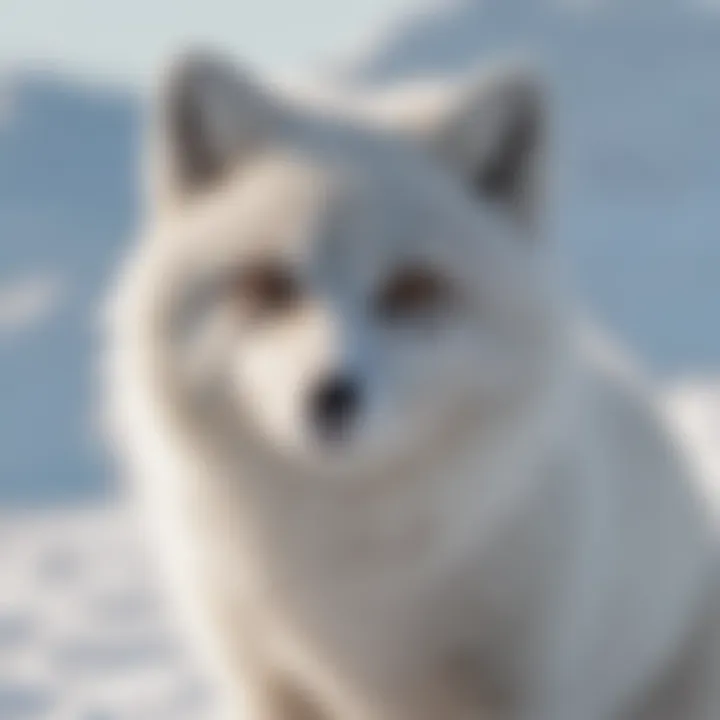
<point x="392" y="473"/>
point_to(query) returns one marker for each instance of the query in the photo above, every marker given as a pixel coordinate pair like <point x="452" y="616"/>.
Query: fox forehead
<point x="356" y="203"/>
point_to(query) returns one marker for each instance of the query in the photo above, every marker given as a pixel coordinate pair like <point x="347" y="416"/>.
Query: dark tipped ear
<point x="494" y="134"/>
<point x="507" y="172"/>
<point x="491" y="129"/>
<point x="209" y="118"/>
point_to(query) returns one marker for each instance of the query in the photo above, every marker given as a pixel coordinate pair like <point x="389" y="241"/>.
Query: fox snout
<point x="334" y="406"/>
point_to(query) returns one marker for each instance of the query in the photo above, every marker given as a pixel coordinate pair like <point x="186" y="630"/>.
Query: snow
<point x="84" y="632"/>
<point x="695" y="406"/>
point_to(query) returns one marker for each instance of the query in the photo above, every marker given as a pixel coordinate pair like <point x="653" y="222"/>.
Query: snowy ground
<point x="84" y="634"/>
<point x="83" y="631"/>
<point x="696" y="407"/>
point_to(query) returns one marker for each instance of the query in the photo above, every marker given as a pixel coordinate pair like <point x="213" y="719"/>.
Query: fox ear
<point x="494" y="134"/>
<point x="208" y="119"/>
<point x="490" y="129"/>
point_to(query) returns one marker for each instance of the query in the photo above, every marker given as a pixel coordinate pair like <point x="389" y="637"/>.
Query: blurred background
<point x="637" y="103"/>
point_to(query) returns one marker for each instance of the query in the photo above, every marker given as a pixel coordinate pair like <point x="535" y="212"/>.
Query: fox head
<point x="344" y="285"/>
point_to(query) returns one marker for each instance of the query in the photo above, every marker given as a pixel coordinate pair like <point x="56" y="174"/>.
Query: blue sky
<point x="123" y="40"/>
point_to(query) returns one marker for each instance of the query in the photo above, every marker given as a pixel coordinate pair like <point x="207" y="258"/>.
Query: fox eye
<point x="411" y="293"/>
<point x="266" y="290"/>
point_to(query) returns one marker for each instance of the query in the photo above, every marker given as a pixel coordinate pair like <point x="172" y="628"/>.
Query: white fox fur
<point x="506" y="529"/>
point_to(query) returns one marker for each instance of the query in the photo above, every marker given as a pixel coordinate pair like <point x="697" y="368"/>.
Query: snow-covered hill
<point x="66" y="207"/>
<point x="638" y="202"/>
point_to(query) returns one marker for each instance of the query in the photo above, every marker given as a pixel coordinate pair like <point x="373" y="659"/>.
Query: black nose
<point x="334" y="406"/>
